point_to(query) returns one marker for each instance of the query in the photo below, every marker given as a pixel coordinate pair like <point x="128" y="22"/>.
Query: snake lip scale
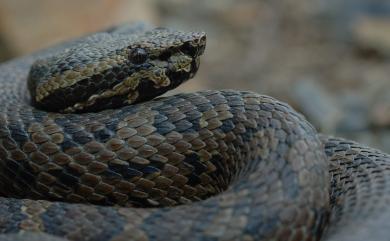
<point x="89" y="152"/>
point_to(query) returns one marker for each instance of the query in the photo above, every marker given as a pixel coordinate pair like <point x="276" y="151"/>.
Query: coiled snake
<point x="209" y="165"/>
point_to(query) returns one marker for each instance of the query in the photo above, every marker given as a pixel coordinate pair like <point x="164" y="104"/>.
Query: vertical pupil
<point x="138" y="56"/>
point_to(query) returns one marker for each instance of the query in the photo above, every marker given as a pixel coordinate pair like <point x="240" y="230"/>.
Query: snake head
<point x="163" y="59"/>
<point x="109" y="70"/>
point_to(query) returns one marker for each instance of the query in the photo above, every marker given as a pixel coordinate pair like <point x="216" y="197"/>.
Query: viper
<point x="89" y="152"/>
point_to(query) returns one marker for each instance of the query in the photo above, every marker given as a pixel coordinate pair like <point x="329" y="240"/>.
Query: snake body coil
<point x="238" y="165"/>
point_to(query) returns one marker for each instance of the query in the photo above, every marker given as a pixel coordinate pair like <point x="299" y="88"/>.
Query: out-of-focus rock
<point x="384" y="141"/>
<point x="316" y="104"/>
<point x="380" y="114"/>
<point x="6" y="51"/>
<point x="355" y="109"/>
<point x="373" y="33"/>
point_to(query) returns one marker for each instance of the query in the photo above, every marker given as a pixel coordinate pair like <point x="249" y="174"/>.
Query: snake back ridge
<point x="86" y="153"/>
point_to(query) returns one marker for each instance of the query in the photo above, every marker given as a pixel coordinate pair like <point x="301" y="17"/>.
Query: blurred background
<point x="330" y="59"/>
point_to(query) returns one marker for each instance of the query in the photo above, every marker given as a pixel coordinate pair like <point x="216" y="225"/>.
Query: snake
<point x="89" y="150"/>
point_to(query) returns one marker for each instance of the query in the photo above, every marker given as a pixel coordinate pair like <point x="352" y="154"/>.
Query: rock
<point x="380" y="112"/>
<point x="355" y="109"/>
<point x="384" y="141"/>
<point x="372" y="32"/>
<point x="316" y="104"/>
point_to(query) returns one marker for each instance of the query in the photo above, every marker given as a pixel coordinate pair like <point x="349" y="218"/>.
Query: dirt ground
<point x="330" y="59"/>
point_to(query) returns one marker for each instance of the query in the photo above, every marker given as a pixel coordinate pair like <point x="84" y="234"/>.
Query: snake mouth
<point x="148" y="87"/>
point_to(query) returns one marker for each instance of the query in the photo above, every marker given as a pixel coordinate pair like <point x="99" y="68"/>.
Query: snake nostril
<point x="202" y="39"/>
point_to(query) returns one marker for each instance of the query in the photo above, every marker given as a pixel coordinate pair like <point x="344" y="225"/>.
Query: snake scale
<point x="86" y="153"/>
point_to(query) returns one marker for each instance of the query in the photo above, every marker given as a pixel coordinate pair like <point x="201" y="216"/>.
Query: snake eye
<point x="138" y="56"/>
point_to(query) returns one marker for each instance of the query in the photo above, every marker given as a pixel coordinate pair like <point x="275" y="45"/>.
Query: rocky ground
<point x="330" y="59"/>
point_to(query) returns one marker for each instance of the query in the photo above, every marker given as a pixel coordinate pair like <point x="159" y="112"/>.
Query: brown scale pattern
<point x="244" y="166"/>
